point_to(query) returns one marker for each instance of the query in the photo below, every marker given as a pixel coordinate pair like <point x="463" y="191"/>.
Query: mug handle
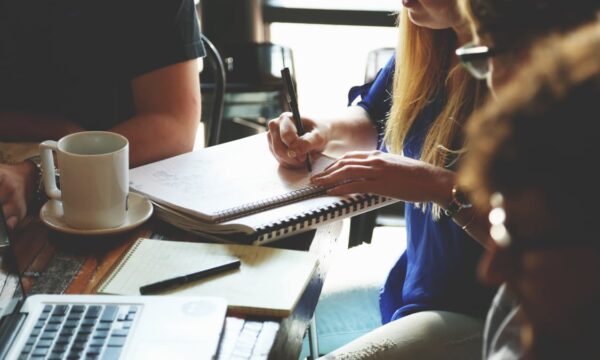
<point x="48" y="171"/>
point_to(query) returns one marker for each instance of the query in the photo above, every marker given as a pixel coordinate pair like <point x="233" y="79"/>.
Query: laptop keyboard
<point x="246" y="339"/>
<point x="82" y="331"/>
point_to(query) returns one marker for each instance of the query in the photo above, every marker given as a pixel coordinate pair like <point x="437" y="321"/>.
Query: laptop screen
<point x="11" y="291"/>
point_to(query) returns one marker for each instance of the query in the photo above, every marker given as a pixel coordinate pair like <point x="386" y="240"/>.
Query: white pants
<point x="421" y="336"/>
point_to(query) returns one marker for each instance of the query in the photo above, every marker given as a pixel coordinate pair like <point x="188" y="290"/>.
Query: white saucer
<point x="140" y="209"/>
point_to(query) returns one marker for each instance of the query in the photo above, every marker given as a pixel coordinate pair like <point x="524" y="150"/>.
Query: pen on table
<point x="293" y="103"/>
<point x="182" y="280"/>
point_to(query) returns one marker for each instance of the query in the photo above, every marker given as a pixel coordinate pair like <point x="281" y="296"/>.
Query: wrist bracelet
<point x="464" y="227"/>
<point x="39" y="195"/>
<point x="459" y="201"/>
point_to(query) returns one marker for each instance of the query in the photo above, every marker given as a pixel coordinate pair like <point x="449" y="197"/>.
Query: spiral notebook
<point x="238" y="192"/>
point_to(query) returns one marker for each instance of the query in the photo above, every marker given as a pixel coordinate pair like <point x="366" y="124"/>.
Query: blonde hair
<point x="423" y="71"/>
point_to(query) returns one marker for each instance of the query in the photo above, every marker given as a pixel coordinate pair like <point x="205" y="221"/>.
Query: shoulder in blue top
<point x="437" y="271"/>
<point x="376" y="97"/>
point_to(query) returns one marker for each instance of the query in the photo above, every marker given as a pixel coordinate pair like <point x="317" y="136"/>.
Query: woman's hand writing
<point x="290" y="149"/>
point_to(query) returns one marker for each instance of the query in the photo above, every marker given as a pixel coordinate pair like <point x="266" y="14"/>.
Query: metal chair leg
<point x="312" y="339"/>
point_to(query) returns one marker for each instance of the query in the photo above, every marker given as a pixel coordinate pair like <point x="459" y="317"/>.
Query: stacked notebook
<point x="269" y="281"/>
<point x="238" y="192"/>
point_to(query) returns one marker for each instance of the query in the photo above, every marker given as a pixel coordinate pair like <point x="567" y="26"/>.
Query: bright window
<point x="329" y="59"/>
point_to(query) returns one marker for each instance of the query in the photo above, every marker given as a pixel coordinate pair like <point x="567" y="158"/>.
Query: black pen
<point x="292" y="99"/>
<point x="182" y="280"/>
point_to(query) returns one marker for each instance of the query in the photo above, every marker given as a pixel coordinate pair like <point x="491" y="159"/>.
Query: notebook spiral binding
<point x="312" y="218"/>
<point x="269" y="203"/>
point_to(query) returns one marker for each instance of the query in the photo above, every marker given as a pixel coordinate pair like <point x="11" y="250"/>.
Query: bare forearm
<point x="167" y="103"/>
<point x="351" y="131"/>
<point x="18" y="127"/>
<point x="153" y="137"/>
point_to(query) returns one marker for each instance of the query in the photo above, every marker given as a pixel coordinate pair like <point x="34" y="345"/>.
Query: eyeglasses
<point x="475" y="59"/>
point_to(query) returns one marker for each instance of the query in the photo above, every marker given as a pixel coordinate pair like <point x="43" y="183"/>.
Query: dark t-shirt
<point x="76" y="58"/>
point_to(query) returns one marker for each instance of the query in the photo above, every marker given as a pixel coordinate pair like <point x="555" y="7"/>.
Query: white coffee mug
<point x="94" y="178"/>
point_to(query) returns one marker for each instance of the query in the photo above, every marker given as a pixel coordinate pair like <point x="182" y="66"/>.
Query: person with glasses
<point x="431" y="304"/>
<point x="531" y="161"/>
<point x="496" y="53"/>
<point x="504" y="30"/>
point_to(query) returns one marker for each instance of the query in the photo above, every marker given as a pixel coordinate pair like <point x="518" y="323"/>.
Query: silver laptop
<point x="103" y="326"/>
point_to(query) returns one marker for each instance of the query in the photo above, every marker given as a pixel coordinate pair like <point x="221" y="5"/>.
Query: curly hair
<point x="513" y="24"/>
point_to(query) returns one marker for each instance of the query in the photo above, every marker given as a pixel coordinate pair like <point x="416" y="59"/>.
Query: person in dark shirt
<point x="128" y="66"/>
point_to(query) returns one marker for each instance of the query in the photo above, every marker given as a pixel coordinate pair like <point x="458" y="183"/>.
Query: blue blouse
<point x="437" y="270"/>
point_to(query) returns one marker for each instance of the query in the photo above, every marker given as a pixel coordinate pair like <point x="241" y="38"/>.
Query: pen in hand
<point x="182" y="280"/>
<point x="292" y="99"/>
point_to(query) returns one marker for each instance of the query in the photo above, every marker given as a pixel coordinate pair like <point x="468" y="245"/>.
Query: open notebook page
<point x="206" y="182"/>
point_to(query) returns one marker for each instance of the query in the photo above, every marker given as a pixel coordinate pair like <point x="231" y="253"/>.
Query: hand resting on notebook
<point x="386" y="174"/>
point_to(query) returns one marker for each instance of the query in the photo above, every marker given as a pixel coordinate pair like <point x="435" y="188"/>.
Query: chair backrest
<point x="213" y="122"/>
<point x="376" y="59"/>
<point x="254" y="91"/>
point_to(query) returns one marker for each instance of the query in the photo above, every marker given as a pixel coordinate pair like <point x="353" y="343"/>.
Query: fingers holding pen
<point x="310" y="142"/>
<point x="293" y="143"/>
<point x="288" y="132"/>
<point x="287" y="146"/>
<point x="280" y="132"/>
<point x="302" y="147"/>
<point x="282" y="129"/>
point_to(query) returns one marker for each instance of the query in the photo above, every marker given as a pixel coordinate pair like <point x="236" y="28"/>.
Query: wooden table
<point x="53" y="262"/>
